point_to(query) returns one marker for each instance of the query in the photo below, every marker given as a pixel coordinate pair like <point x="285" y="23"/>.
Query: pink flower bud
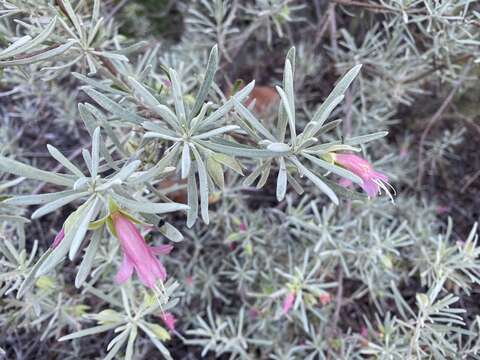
<point x="325" y="298"/>
<point x="169" y="321"/>
<point x="288" y="302"/>
<point x="364" y="331"/>
<point x="58" y="239"/>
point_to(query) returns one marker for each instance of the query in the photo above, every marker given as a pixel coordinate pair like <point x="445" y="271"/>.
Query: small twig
<point x="333" y="30"/>
<point x="220" y="34"/>
<point x="434" y="69"/>
<point x="470" y="181"/>
<point x="338" y="301"/>
<point x="365" y="5"/>
<point x="432" y="121"/>
<point x="115" y="10"/>
<point x="374" y="7"/>
<point x="468" y="121"/>
<point x="323" y="23"/>
<point x="423" y="74"/>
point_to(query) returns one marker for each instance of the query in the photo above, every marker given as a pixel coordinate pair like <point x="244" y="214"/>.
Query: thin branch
<point x="470" y="181"/>
<point x="438" y="114"/>
<point x="375" y="7"/>
<point x="323" y="26"/>
<point x="116" y="9"/>
<point x="333" y="30"/>
<point x="338" y="301"/>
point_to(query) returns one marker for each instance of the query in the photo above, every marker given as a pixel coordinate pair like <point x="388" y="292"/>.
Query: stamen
<point x="384" y="188"/>
<point x="159" y="295"/>
<point x="391" y="187"/>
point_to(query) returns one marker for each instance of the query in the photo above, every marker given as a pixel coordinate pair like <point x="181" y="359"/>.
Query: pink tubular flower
<point x="169" y="321"/>
<point x="137" y="254"/>
<point x="288" y="302"/>
<point x="58" y="239"/>
<point x="373" y="181"/>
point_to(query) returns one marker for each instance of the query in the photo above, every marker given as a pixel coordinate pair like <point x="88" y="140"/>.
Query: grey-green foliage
<point x="196" y="144"/>
<point x="374" y="268"/>
<point x="369" y="279"/>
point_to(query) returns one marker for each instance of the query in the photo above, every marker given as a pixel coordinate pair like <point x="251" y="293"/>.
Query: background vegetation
<point x="368" y="278"/>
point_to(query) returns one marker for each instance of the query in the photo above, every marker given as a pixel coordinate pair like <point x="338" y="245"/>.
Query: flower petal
<point x="380" y="176"/>
<point x="137" y="254"/>
<point x="370" y="187"/>
<point x="150" y="270"/>
<point x="125" y="271"/>
<point x="161" y="249"/>
<point x="288" y="302"/>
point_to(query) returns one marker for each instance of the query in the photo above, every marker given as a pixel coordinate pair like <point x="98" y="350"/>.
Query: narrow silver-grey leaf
<point x="54" y="205"/>
<point x="30" y="278"/>
<point x="171" y="233"/>
<point x="177" y="96"/>
<point x="289" y="111"/>
<point x="91" y="213"/>
<point x="87" y="262"/>
<point x="57" y="155"/>
<point x="14" y="167"/>
<point x="240" y="151"/>
<point x="203" y="185"/>
<point x="338" y="90"/>
<point x="207" y="82"/>
<point x="186" y="160"/>
<point x="215" y="132"/>
<point x="38" y="199"/>
<point x="192" y="200"/>
<point x="362" y="139"/>
<point x="149" y="207"/>
<point x="41" y="56"/>
<point x="252" y="120"/>
<point x="113" y="107"/>
<point x="281" y="180"/>
<point x="95" y="152"/>
<point x="225" y="108"/>
<point x="21" y="45"/>
<point x="315" y="179"/>
<point x="89" y="331"/>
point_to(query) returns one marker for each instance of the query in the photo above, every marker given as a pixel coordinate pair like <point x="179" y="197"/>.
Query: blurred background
<point x="419" y="81"/>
